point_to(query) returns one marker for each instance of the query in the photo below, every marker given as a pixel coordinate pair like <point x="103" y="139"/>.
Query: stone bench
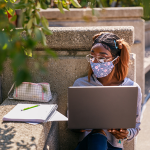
<point x="17" y="135"/>
<point x="72" y="45"/>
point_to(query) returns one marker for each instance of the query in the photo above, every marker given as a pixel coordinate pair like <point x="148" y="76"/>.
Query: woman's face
<point x="99" y="51"/>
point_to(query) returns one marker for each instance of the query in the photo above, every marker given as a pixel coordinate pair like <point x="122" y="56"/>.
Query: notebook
<point x="102" y="107"/>
<point x="34" y="113"/>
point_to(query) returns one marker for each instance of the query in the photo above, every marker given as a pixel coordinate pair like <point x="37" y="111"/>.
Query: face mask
<point x="102" y="69"/>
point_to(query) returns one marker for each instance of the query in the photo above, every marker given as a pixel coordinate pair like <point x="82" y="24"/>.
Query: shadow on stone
<point x="6" y="142"/>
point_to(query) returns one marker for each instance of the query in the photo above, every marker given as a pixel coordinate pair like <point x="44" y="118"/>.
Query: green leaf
<point x="22" y="76"/>
<point x="5" y="46"/>
<point x="43" y="5"/>
<point x="38" y="17"/>
<point x="29" y="31"/>
<point x="51" y="52"/>
<point x="30" y="43"/>
<point x="35" y="21"/>
<point x="29" y="25"/>
<point x="28" y="52"/>
<point x="12" y="1"/>
<point x="38" y="34"/>
<point x="38" y="5"/>
<point x="11" y="11"/>
<point x="75" y="3"/>
<point x="14" y="18"/>
<point x="19" y="6"/>
<point x="43" y="39"/>
<point x="60" y="7"/>
<point x="65" y="5"/>
<point x="44" y="22"/>
<point x="46" y="31"/>
<point x="3" y="57"/>
<point x="18" y="60"/>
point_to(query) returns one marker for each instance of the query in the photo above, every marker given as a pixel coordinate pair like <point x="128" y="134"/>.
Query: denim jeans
<point x="95" y="141"/>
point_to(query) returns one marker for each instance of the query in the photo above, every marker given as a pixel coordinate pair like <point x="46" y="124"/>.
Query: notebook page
<point x="57" y="116"/>
<point x="36" y="113"/>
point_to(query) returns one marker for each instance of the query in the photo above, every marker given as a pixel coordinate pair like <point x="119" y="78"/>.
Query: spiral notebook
<point x="34" y="113"/>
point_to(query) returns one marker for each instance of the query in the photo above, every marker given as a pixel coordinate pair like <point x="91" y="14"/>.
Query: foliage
<point x="144" y="3"/>
<point x="123" y="3"/>
<point x="19" y="48"/>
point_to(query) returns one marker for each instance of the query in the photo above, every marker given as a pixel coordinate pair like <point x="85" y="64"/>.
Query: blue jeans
<point x="95" y="141"/>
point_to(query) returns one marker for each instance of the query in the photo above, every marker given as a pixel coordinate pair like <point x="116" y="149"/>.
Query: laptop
<point x="102" y="107"/>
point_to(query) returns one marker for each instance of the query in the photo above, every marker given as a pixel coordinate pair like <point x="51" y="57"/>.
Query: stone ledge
<point x="73" y="38"/>
<point x="79" y="13"/>
<point x="16" y="135"/>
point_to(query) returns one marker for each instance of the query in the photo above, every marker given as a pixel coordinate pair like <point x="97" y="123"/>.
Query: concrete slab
<point x="80" y="38"/>
<point x="79" y="13"/>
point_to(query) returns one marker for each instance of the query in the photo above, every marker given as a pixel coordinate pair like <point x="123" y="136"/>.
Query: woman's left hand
<point x="119" y="134"/>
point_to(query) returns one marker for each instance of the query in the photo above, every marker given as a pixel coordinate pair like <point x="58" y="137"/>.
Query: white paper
<point x="57" y="116"/>
<point x="37" y="113"/>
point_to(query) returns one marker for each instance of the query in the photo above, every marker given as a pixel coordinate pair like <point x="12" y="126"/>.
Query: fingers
<point x="123" y="130"/>
<point x="120" y="130"/>
<point x="119" y="134"/>
<point x="112" y="130"/>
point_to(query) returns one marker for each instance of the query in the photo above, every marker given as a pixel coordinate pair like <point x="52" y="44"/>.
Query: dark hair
<point x="108" y="40"/>
<point x="117" y="47"/>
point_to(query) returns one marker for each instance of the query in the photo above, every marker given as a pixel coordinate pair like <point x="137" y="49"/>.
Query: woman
<point x="109" y="61"/>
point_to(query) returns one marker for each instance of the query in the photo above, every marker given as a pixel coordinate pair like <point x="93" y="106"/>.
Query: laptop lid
<point x="102" y="107"/>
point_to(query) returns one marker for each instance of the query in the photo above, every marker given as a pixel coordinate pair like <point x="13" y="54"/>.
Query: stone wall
<point x="71" y="45"/>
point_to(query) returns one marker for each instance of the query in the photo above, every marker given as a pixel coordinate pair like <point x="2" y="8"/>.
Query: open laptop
<point x="102" y="107"/>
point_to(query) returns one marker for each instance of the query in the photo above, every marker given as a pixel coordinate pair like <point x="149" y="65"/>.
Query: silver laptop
<point x="102" y="107"/>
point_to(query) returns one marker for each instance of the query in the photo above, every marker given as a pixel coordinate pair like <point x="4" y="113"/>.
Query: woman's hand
<point x="119" y="134"/>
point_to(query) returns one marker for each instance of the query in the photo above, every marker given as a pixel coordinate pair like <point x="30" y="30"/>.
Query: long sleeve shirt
<point x="127" y="82"/>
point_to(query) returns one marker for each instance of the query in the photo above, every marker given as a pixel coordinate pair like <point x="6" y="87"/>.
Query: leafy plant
<point x="19" y="44"/>
<point x="123" y="3"/>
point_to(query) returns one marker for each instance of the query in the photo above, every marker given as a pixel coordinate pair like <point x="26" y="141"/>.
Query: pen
<point x="30" y="107"/>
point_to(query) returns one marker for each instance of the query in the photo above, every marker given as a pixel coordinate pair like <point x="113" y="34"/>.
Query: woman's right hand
<point x="119" y="134"/>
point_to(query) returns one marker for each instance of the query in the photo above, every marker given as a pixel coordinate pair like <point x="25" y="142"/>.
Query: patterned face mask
<point x="101" y="70"/>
